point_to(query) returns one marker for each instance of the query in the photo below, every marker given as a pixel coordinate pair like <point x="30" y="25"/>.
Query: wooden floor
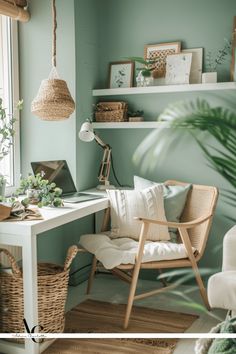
<point x="110" y="289"/>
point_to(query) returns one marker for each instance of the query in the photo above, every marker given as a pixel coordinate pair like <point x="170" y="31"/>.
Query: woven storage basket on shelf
<point x="52" y="294"/>
<point x="111" y="116"/>
<point x="111" y="112"/>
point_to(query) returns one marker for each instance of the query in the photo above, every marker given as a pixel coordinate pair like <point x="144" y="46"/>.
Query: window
<point x="9" y="92"/>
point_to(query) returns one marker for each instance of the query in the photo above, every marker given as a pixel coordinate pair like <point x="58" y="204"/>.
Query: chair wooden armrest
<point x="184" y="225"/>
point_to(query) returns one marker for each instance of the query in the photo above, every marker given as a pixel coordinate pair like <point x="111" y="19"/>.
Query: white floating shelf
<point x="129" y="125"/>
<point x="165" y="89"/>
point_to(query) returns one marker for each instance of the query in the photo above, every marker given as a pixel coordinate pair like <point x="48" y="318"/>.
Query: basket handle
<point x="15" y="268"/>
<point x="71" y="253"/>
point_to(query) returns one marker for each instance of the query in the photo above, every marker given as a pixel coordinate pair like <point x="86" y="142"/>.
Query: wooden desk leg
<point x="29" y="252"/>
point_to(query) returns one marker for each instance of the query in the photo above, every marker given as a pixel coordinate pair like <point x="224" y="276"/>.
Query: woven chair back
<point x="201" y="202"/>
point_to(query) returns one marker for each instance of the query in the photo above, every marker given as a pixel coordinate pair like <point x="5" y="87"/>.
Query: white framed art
<point x="178" y="68"/>
<point x="196" y="65"/>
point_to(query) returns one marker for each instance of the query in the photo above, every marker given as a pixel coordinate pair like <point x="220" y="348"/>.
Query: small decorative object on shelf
<point x="144" y="76"/>
<point x="111" y="112"/>
<point x="212" y="63"/>
<point x="136" y="116"/>
<point x="40" y="191"/>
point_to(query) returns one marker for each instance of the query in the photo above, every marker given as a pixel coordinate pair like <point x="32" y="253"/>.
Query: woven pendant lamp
<point x="53" y="101"/>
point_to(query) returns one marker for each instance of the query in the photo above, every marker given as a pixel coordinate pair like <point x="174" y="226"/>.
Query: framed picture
<point x="121" y="74"/>
<point x="178" y="68"/>
<point x="161" y="51"/>
<point x="196" y="66"/>
<point x="233" y="62"/>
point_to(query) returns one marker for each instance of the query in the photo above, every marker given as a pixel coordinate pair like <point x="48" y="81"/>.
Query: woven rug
<point x="101" y="317"/>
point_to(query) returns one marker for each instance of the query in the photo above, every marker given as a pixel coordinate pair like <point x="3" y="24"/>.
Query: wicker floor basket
<point x="52" y="294"/>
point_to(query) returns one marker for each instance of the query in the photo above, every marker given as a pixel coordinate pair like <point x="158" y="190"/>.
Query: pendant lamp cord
<point x="54" y="45"/>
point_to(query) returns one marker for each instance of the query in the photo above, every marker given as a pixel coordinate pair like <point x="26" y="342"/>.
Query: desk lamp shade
<point x="86" y="132"/>
<point x="53" y="101"/>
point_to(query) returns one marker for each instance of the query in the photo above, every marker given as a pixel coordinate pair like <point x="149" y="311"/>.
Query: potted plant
<point x="212" y="63"/>
<point x="135" y="116"/>
<point x="40" y="191"/>
<point x="7" y="133"/>
<point x="145" y="74"/>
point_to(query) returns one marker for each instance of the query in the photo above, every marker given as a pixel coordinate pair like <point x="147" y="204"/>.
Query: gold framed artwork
<point x="160" y="51"/>
<point x="121" y="74"/>
<point x="233" y="62"/>
<point x="196" y="65"/>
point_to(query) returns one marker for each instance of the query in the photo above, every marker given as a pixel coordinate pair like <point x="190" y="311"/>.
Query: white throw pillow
<point x="146" y="203"/>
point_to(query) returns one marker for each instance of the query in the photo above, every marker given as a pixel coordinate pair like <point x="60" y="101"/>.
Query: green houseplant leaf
<point x="218" y="124"/>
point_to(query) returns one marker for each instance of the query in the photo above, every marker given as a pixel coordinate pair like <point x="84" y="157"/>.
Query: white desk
<point x="24" y="234"/>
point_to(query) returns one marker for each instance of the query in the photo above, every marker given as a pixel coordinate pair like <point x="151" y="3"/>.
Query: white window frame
<point x="10" y="40"/>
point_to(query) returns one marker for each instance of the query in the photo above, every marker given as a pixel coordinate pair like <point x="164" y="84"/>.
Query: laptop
<point x="58" y="172"/>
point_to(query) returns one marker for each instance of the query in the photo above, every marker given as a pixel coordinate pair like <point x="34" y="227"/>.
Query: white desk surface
<point x="53" y="217"/>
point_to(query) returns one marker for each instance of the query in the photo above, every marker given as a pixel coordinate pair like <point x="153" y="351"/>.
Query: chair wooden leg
<point x="202" y="289"/>
<point x="188" y="247"/>
<point x="91" y="276"/>
<point x="135" y="275"/>
<point x="133" y="286"/>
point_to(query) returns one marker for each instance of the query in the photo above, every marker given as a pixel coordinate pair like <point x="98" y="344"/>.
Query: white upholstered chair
<point x="222" y="285"/>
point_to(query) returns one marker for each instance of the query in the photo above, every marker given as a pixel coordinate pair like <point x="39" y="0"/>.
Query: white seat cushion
<point x="113" y="252"/>
<point x="221" y="290"/>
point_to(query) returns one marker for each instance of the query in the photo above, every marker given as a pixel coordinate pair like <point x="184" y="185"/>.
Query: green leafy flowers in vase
<point x="40" y="191"/>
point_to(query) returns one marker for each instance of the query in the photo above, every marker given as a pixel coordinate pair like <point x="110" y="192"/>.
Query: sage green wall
<point x="105" y="31"/>
<point x="41" y="140"/>
<point x="125" y="27"/>
<point x="87" y="49"/>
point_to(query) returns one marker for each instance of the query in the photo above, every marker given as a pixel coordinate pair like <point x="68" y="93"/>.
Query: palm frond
<point x="219" y="123"/>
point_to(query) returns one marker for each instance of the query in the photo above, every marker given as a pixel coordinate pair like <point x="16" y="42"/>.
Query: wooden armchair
<point x="193" y="231"/>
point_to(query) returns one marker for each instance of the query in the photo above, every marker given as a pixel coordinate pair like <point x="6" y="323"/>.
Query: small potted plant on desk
<point x="40" y="191"/>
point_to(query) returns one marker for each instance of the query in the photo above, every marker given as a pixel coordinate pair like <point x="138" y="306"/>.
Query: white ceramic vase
<point x="209" y="78"/>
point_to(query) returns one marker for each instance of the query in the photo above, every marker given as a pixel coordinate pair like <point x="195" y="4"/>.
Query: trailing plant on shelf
<point x="212" y="62"/>
<point x="40" y="191"/>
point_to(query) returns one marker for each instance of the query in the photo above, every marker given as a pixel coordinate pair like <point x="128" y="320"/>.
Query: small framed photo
<point x="121" y="74"/>
<point x="161" y="51"/>
<point x="178" y="68"/>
